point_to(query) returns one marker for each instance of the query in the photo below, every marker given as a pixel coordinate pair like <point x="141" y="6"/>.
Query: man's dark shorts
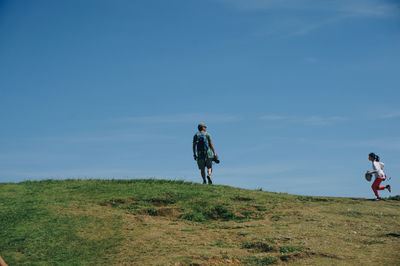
<point x="204" y="162"/>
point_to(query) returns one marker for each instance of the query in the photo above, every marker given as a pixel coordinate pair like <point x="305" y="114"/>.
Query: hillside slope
<point x="159" y="222"/>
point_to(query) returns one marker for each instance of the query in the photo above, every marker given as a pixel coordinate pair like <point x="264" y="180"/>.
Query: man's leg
<point x="201" y="163"/>
<point x="203" y="175"/>
<point x="209" y="171"/>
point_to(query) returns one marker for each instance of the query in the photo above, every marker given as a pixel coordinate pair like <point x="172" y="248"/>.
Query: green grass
<point x="31" y="231"/>
<point x="256" y="261"/>
<point x="397" y="197"/>
<point x="90" y="222"/>
<point x="288" y="249"/>
<point x="35" y="228"/>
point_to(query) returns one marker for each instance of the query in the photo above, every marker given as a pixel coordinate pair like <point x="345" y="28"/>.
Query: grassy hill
<point x="159" y="222"/>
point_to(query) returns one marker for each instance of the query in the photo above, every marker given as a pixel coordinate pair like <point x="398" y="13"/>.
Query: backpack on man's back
<point x="201" y="143"/>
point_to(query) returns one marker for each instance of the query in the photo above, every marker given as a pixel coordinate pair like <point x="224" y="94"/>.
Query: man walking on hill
<point x="204" y="152"/>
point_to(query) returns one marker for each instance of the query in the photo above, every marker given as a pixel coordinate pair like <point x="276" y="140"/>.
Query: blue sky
<point x="295" y="93"/>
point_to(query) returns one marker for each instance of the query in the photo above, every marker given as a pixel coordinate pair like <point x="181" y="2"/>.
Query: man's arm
<point x="194" y="151"/>
<point x="213" y="150"/>
<point x="211" y="145"/>
<point x="194" y="147"/>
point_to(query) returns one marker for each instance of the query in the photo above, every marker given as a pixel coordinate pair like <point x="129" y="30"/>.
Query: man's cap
<point x="201" y="125"/>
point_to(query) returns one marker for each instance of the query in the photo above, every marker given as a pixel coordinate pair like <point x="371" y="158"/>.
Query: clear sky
<point x="295" y="93"/>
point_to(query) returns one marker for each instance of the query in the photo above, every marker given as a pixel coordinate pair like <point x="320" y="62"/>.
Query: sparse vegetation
<point x="243" y="233"/>
<point x="150" y="222"/>
<point x="256" y="261"/>
<point x="397" y="197"/>
<point x="351" y="213"/>
<point x="258" y="246"/>
<point x="288" y="249"/>
<point x="275" y="218"/>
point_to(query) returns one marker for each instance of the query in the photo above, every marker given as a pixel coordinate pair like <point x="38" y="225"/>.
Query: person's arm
<point x="194" y="151"/>
<point x="194" y="148"/>
<point x="213" y="150"/>
<point x="211" y="145"/>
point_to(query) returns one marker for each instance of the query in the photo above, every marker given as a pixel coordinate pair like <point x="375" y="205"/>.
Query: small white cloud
<point x="335" y="12"/>
<point x="319" y="120"/>
<point x="314" y="120"/>
<point x="262" y="4"/>
<point x="274" y="117"/>
<point x="389" y="115"/>
<point x="369" y="8"/>
<point x="107" y="138"/>
<point x="183" y="118"/>
<point x="349" y="7"/>
<point x="384" y="143"/>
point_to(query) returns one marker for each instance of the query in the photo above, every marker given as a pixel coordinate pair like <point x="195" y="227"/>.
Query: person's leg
<point x="375" y="186"/>
<point x="380" y="187"/>
<point x="203" y="175"/>
<point x="209" y="170"/>
<point x="201" y="163"/>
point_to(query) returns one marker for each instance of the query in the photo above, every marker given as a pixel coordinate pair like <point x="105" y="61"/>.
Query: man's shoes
<point x="204" y="181"/>
<point x="378" y="198"/>
<point x="209" y="180"/>
<point x="389" y="188"/>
